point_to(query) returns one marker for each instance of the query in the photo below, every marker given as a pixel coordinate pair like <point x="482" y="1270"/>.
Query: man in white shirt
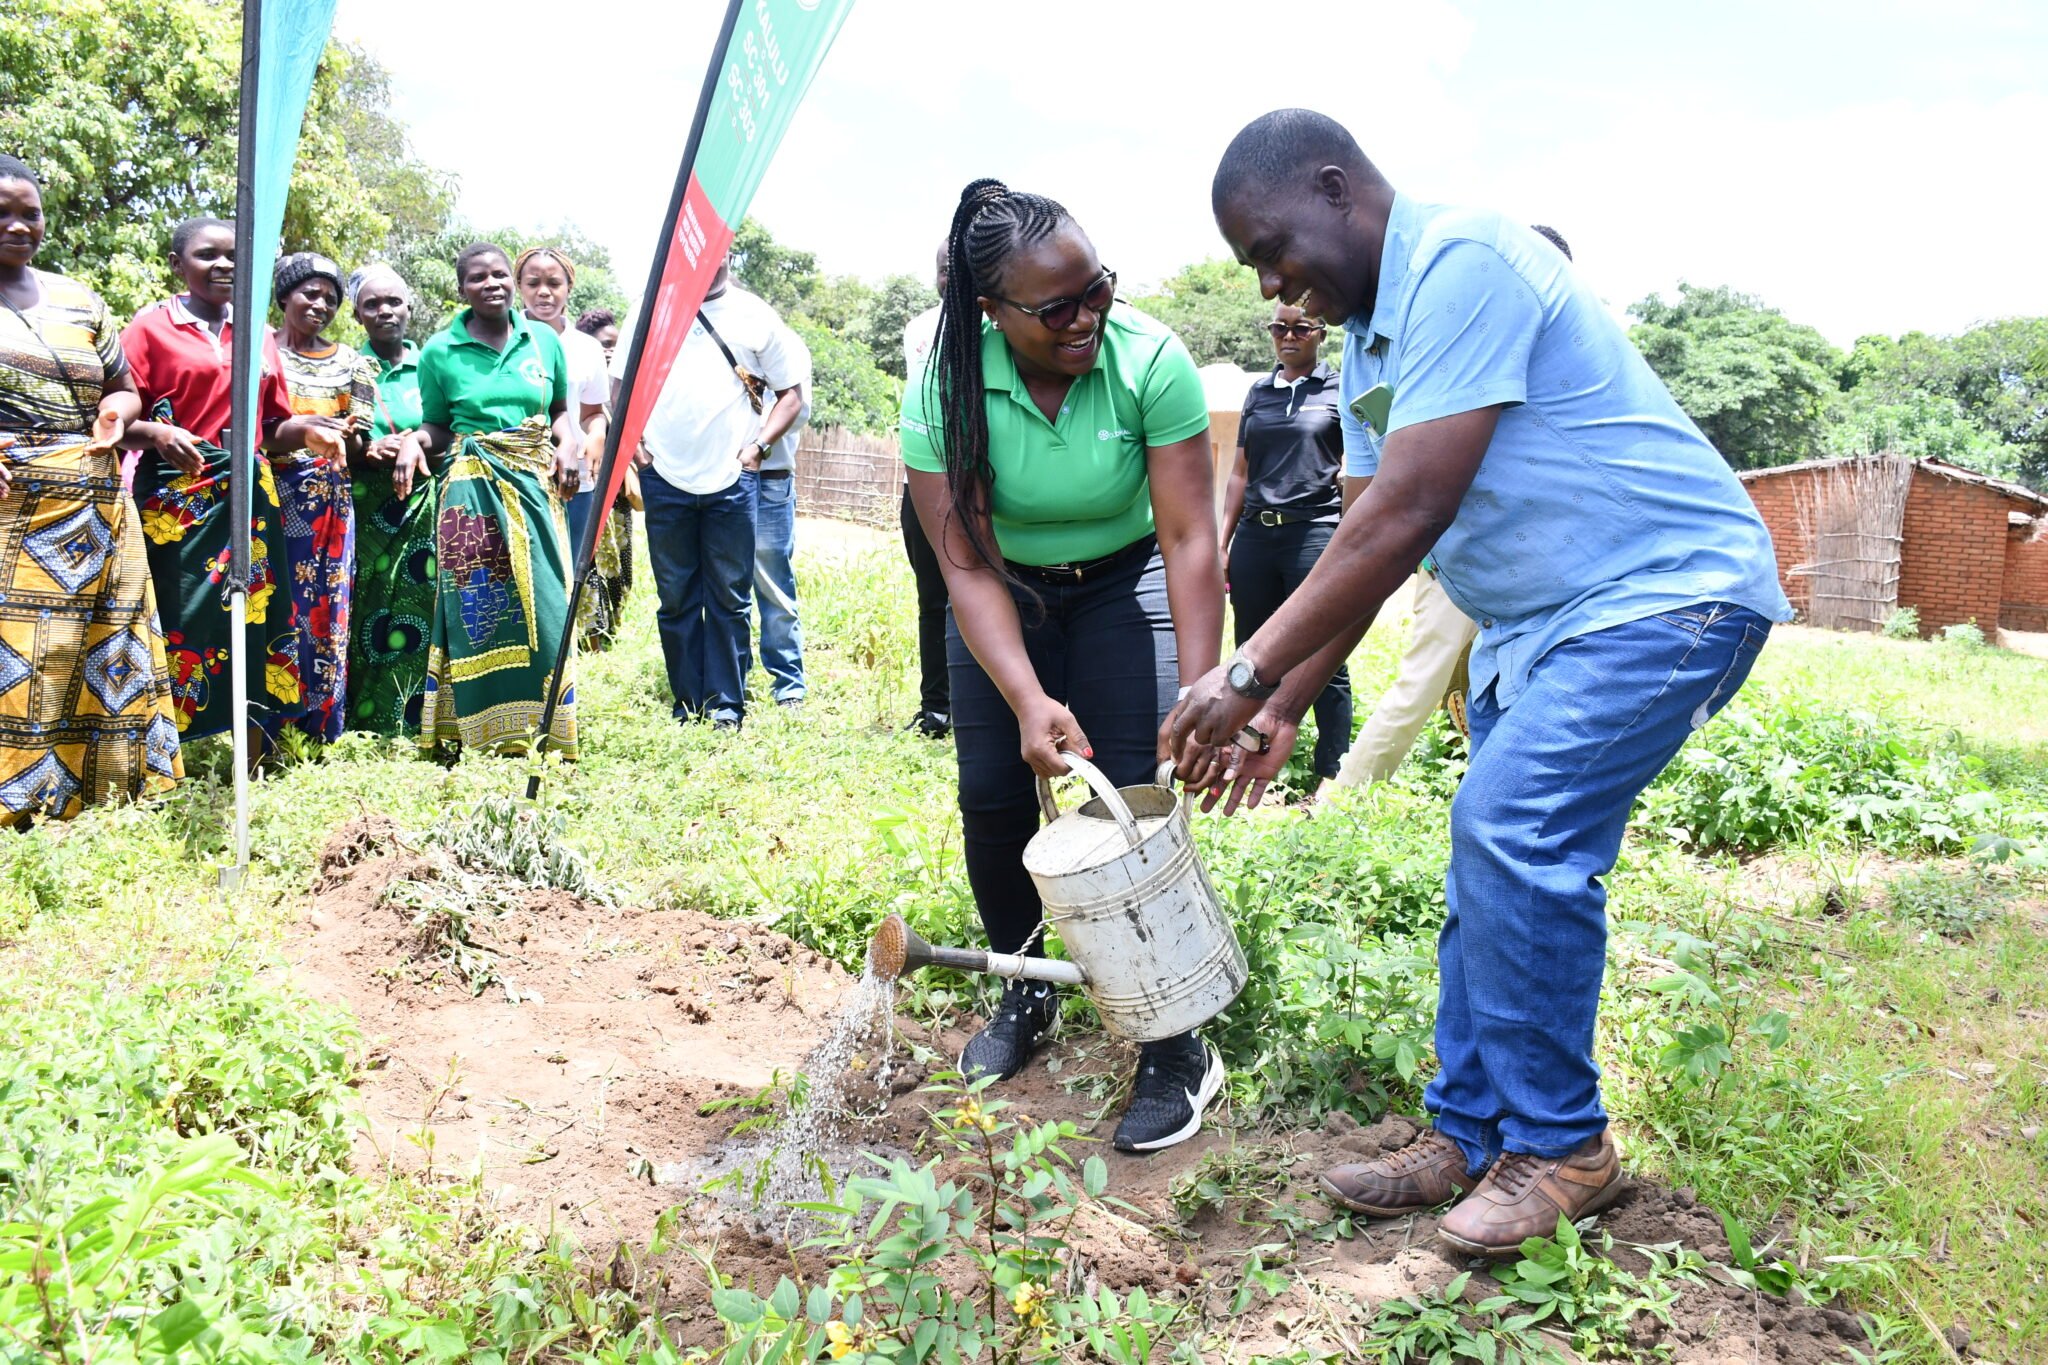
<point x="934" y="718"/>
<point x="701" y="458"/>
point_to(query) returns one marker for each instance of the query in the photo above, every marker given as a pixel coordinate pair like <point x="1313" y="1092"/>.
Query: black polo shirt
<point x="1293" y="446"/>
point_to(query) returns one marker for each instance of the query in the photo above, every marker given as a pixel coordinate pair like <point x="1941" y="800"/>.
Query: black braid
<point x="992" y="223"/>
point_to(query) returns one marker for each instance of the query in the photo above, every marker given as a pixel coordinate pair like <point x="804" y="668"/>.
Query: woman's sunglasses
<point x="1059" y="315"/>
<point x="1296" y="329"/>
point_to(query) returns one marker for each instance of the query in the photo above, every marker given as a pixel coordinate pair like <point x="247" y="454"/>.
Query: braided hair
<point x="992" y="223"/>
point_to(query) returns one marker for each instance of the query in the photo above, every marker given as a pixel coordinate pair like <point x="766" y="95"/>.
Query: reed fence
<point x="849" y="476"/>
<point x="1853" y="522"/>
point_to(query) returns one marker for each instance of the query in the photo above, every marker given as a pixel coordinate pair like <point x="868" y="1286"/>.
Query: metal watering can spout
<point x="897" y="950"/>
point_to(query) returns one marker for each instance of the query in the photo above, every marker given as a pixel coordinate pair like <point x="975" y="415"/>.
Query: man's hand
<point x="1247" y="774"/>
<point x="750" y="456"/>
<point x="643" y="458"/>
<point x="1202" y="726"/>
<point x="1046" y="728"/>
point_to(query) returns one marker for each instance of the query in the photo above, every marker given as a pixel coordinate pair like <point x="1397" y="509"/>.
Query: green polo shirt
<point x="398" y="392"/>
<point x="468" y="387"/>
<point x="1074" y="488"/>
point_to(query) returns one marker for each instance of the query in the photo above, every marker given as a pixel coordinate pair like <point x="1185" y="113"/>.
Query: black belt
<point x="1066" y="575"/>
<point x="775" y="473"/>
<point x="1266" y="516"/>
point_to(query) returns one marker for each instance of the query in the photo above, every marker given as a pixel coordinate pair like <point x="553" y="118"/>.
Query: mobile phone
<point x="1373" y="407"/>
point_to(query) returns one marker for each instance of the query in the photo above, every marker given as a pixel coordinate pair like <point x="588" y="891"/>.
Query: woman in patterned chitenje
<point x="85" y="695"/>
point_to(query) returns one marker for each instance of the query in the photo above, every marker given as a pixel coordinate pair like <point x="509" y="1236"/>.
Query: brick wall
<point x="1953" y="567"/>
<point x="2025" y="594"/>
<point x="1777" y="501"/>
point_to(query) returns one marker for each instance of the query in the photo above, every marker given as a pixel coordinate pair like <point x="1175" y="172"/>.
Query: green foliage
<point x="848" y="389"/>
<point x="1966" y="636"/>
<point x="1216" y="308"/>
<point x="128" y="108"/>
<point x="1996" y="377"/>
<point x="1758" y="384"/>
<point x="1902" y="624"/>
<point x="1921" y="426"/>
<point x="427" y="261"/>
<point x="1561" y="1281"/>
<point x="1953" y="904"/>
<point x="897" y="1242"/>
<point x="1776" y="770"/>
<point x="1443" y="1329"/>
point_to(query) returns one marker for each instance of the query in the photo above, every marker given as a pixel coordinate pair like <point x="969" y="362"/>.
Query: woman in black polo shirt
<point x="1284" y="500"/>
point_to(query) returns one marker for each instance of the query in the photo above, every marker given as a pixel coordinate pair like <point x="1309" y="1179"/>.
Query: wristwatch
<point x="1243" y="677"/>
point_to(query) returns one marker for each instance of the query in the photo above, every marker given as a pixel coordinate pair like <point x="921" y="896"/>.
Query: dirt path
<point x="576" y="1080"/>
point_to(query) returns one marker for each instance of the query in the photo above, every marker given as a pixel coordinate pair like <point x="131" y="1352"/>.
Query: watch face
<point x="1241" y="674"/>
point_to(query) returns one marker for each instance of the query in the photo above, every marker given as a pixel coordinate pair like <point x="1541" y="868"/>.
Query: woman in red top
<point x="180" y="353"/>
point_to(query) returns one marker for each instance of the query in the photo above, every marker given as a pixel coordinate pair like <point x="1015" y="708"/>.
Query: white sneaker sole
<point x="1212" y="1081"/>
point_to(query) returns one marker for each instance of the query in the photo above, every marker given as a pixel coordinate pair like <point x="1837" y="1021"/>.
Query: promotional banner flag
<point x="281" y="45"/>
<point x="762" y="63"/>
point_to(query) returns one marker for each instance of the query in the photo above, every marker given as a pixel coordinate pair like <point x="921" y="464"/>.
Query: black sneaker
<point x="1006" y="1042"/>
<point x="931" y="724"/>
<point x="1177" y="1077"/>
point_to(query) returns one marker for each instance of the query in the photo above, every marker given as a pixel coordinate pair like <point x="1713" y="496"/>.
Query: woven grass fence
<point x="849" y="477"/>
<point x="1854" y="522"/>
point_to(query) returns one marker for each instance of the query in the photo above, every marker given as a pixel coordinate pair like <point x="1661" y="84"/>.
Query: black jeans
<point x="1267" y="563"/>
<point x="934" y="694"/>
<point x="1104" y="649"/>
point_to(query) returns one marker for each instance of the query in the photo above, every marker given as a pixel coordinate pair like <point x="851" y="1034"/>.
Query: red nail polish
<point x="1087" y="753"/>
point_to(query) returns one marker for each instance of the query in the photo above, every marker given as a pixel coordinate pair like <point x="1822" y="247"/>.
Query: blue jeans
<point x="782" y="637"/>
<point x="702" y="550"/>
<point x="1536" y="824"/>
<point x="1104" y="648"/>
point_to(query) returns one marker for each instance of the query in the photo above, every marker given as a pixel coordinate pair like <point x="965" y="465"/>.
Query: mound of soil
<point x="569" y="1055"/>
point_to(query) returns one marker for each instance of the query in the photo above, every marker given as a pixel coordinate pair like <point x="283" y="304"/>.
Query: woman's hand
<point x="5" y="441"/>
<point x="328" y="439"/>
<point x="410" y="460"/>
<point x="568" y="473"/>
<point x="177" y="447"/>
<point x="384" y="450"/>
<point x="107" y="430"/>
<point x="1046" y="727"/>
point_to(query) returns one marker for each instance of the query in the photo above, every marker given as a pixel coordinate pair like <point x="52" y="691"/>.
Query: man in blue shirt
<point x="1622" y="583"/>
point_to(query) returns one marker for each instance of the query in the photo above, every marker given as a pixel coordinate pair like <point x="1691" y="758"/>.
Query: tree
<point x="428" y="265"/>
<point x="902" y="298"/>
<point x="1218" y="312"/>
<point x="1759" y="385"/>
<point x="1995" y="376"/>
<point x="841" y="318"/>
<point x="128" y="109"/>
<point x="1920" y="425"/>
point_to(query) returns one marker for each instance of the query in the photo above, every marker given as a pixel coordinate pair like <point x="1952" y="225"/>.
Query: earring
<point x="999" y="327"/>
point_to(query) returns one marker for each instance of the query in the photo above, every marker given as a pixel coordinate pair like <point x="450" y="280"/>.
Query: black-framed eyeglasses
<point x="1060" y="313"/>
<point x="1298" y="329"/>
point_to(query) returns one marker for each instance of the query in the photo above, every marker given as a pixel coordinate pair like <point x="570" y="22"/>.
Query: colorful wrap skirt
<point x="611" y="579"/>
<point x="320" y="560"/>
<point x="86" y="713"/>
<point x="185" y="517"/>
<point x="391" y="618"/>
<point x="501" y="598"/>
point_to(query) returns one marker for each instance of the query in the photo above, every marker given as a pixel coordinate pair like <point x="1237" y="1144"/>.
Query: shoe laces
<point x="1516" y="1172"/>
<point x="1425" y="1150"/>
<point x="1019" y="996"/>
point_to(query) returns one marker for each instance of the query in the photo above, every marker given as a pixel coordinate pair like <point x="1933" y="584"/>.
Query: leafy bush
<point x="1773" y="771"/>
<point x="1965" y="636"/>
<point x="1903" y="624"/>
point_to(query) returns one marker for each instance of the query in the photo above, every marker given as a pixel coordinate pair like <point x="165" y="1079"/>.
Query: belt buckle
<point x="1268" y="517"/>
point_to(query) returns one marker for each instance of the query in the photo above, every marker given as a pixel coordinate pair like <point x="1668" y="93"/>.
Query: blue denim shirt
<point x="1598" y="501"/>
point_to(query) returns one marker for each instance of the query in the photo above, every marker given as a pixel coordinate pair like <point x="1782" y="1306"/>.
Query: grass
<point x="1840" y="1041"/>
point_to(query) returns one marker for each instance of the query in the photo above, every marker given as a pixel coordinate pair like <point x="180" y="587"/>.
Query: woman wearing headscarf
<point x="1284" y="499"/>
<point x="180" y="351"/>
<point x="85" y="692"/>
<point x="496" y="427"/>
<point x="1058" y="453"/>
<point x="391" y="616"/>
<point x="330" y="384"/>
<point x="612" y="571"/>
<point x="546" y="278"/>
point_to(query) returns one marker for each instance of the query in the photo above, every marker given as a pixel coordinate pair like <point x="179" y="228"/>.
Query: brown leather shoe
<point x="1429" y="1170"/>
<point x="1523" y="1196"/>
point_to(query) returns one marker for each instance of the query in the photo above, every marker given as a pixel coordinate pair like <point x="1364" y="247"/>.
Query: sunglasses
<point x="1059" y="315"/>
<point x="1297" y="329"/>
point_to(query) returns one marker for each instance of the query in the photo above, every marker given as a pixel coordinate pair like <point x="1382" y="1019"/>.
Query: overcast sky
<point x="1866" y="166"/>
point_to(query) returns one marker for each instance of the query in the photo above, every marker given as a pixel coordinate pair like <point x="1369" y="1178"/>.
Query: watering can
<point x="1149" y="942"/>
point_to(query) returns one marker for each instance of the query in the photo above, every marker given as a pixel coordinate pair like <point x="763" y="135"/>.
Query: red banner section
<point x="700" y="243"/>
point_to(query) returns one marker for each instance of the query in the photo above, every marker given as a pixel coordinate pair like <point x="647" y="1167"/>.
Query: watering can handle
<point x="1103" y="787"/>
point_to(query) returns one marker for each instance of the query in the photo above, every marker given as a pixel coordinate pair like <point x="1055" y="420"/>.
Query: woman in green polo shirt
<point x="394" y="594"/>
<point x="493" y="390"/>
<point x="1058" y="454"/>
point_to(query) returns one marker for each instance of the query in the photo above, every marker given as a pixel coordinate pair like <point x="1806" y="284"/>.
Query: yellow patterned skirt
<point x="501" y="598"/>
<point x="86" y="712"/>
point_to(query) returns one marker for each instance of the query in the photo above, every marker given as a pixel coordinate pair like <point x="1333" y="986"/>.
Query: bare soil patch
<point x="580" y="1073"/>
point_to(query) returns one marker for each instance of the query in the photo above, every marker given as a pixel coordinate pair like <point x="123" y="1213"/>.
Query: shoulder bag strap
<point x="749" y="381"/>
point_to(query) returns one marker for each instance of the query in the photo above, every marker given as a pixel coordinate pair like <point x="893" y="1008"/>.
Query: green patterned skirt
<point x="392" y="621"/>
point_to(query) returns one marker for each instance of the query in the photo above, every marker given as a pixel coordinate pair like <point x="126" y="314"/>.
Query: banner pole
<point x="586" y="548"/>
<point x="246" y="353"/>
